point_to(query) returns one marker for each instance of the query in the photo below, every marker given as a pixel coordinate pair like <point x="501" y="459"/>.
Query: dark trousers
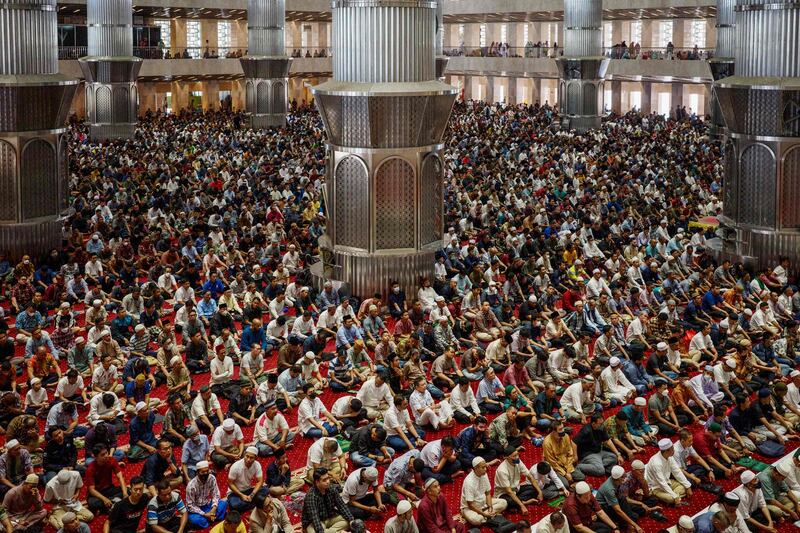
<point x="96" y="505"/>
<point x="462" y="418"/>
<point x="524" y="493"/>
<point x="360" y="514"/>
<point x="445" y="475"/>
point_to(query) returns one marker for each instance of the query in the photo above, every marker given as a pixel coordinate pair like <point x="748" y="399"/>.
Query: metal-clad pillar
<point x="266" y="65"/>
<point x="582" y="67"/>
<point x="441" y="59"/>
<point x="110" y="70"/>
<point x="385" y="113"/>
<point x="34" y="103"/>
<point x="760" y="105"/>
<point x="722" y="63"/>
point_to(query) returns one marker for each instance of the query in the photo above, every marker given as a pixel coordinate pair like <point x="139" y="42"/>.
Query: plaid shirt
<point x="613" y="429"/>
<point x="199" y="494"/>
<point x="319" y="507"/>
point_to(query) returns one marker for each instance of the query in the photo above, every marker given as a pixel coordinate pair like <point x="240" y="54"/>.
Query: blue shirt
<point x="216" y="287"/>
<point x="207" y="308"/>
<point x="347" y="336"/>
<point x="251" y="337"/>
<point x="143" y="430"/>
<point x="709" y="300"/>
<point x="192" y="453"/>
<point x="703" y="524"/>
<point x="636" y="422"/>
<point x="28" y="322"/>
<point x="137" y="395"/>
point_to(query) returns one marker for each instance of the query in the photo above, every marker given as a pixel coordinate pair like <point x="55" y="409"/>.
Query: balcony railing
<point x="505" y="51"/>
<point x="191" y="52"/>
<point x="639" y="52"/>
<point x="545" y="51"/>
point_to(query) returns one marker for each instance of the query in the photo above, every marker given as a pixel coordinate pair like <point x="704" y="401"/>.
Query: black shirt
<point x="124" y="516"/>
<point x="589" y="440"/>
<point x="58" y="456"/>
<point x="362" y="442"/>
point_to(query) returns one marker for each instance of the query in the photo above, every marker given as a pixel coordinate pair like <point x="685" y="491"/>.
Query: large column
<point x="266" y="65"/>
<point x="647" y="97"/>
<point x="110" y="70"/>
<point x="722" y="63"/>
<point x="582" y="67"/>
<point x="33" y="110"/>
<point x="385" y="113"/>
<point x="441" y="59"/>
<point x="761" y="109"/>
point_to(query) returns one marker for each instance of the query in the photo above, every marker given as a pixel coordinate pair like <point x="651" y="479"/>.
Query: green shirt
<point x="771" y="487"/>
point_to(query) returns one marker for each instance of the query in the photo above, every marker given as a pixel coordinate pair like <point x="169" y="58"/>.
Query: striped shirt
<point x="199" y="494"/>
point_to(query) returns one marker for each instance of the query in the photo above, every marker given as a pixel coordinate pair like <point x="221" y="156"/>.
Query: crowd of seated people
<point x="576" y="339"/>
<point x="320" y="52"/>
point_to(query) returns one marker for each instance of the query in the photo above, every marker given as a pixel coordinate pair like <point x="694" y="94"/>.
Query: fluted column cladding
<point x="760" y="105"/>
<point x="266" y="65"/>
<point x="34" y="102"/>
<point x="722" y="64"/>
<point x="110" y="69"/>
<point x="583" y="66"/>
<point x="441" y="59"/>
<point x="385" y="113"/>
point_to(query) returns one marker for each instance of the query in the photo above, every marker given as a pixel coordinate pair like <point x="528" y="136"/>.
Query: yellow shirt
<point x="558" y="452"/>
<point x="220" y="528"/>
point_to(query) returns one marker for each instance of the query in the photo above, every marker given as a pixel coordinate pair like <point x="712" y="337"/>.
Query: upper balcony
<point x="305" y="10"/>
<point x="656" y="65"/>
<point x="467" y="11"/>
<point x="188" y="64"/>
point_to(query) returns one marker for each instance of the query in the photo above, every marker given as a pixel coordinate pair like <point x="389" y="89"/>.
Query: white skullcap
<point x="403" y="507"/>
<point x="63" y="476"/>
<point x="310" y="355"/>
<point x="794" y="374"/>
<point x="174" y="360"/>
<point x="637" y="465"/>
<point x="201" y="465"/>
<point x="732" y="364"/>
<point x="140" y="406"/>
<point x="97" y="302"/>
<point x="371" y="473"/>
<point x="661" y="346"/>
<point x="617" y="472"/>
<point x="746" y="477"/>
<point x="13" y="443"/>
<point x="79" y="340"/>
<point x="614" y="361"/>
<point x="784" y="469"/>
<point x="430" y="481"/>
<point x="139" y="327"/>
<point x="105" y="333"/>
<point x="582" y="487"/>
<point x="664" y="444"/>
<point x="654" y="264"/>
<point x="228" y="423"/>
<point x="748" y="312"/>
<point x="64" y="305"/>
<point x="478" y="460"/>
<point x="252" y="449"/>
<point x="437" y="299"/>
<point x="596" y="271"/>
<point x="686" y="523"/>
<point x="641" y="402"/>
<point x="723" y="323"/>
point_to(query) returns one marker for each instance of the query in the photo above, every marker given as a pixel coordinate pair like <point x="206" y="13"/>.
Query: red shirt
<point x="580" y="513"/>
<point x="102" y="476"/>
<point x="705" y="444"/>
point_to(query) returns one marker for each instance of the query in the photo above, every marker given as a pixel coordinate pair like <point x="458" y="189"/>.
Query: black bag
<point x="500" y="524"/>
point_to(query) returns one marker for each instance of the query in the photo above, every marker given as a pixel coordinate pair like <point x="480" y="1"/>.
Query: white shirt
<point x="474" y="490"/>
<point x="353" y="488"/>
<point x="221" y="371"/>
<point x="67" y="389"/>
<point x="461" y="401"/>
<point x="701" y="342"/>
<point x="738" y="526"/>
<point x="199" y="406"/>
<point x="574" y="397"/>
<point x="635" y="329"/>
<point x="69" y="491"/>
<point x="242" y="477"/>
<point x="223" y="439"/>
<point x="97" y="409"/>
<point x="658" y="472"/>
<point x="371" y="395"/>
<point x="303" y="328"/>
<point x="793" y="395"/>
<point x="615" y="382"/>
<point x="509" y="476"/>
<point x="749" y="501"/>
<point x="317" y="455"/>
<point x="394" y="418"/>
<point x="544" y="526"/>
<point x="307" y="410"/>
<point x="420" y="400"/>
<point x="267" y="429"/>
<point x="36" y="397"/>
<point x="102" y="377"/>
<point x="596" y="287"/>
